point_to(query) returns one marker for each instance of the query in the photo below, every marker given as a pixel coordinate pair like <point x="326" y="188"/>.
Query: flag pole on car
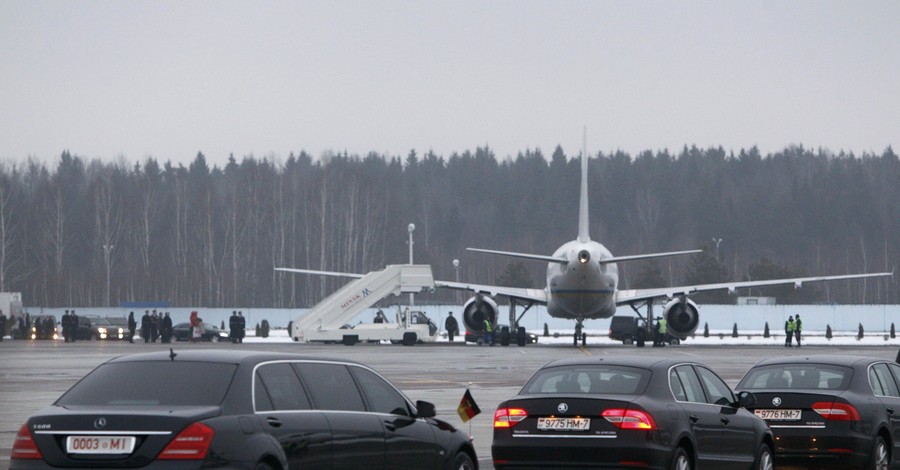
<point x="467" y="408"/>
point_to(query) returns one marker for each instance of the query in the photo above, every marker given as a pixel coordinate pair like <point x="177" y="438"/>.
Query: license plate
<point x="778" y="415"/>
<point x="100" y="444"/>
<point x="563" y="424"/>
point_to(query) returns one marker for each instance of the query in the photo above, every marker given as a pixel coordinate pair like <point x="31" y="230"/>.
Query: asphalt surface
<point x="34" y="374"/>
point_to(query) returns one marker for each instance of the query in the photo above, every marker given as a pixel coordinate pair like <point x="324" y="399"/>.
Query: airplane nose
<point x="584" y="256"/>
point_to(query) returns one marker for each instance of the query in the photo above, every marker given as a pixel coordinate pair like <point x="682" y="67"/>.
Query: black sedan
<point x="637" y="412"/>
<point x="237" y="410"/>
<point x="829" y="411"/>
<point x="182" y="332"/>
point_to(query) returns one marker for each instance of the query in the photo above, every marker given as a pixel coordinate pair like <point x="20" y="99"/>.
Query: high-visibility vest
<point x="791" y="326"/>
<point x="798" y="324"/>
<point x="662" y="325"/>
<point x="487" y="326"/>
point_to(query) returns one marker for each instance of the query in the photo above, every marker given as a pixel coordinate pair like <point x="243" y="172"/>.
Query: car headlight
<point x="102" y="330"/>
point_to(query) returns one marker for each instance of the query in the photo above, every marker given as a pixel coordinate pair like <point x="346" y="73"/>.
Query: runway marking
<point x="584" y="350"/>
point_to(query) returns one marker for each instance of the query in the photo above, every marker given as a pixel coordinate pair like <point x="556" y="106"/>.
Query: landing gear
<point x="579" y="334"/>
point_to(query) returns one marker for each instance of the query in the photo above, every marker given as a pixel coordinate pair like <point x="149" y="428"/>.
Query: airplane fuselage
<point x="582" y="288"/>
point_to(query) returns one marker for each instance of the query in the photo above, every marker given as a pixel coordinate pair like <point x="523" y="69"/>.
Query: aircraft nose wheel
<point x="579" y="335"/>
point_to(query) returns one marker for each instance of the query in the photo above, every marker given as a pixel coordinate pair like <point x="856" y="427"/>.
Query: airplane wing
<point x="538" y="296"/>
<point x="614" y="259"/>
<point x="637" y="295"/>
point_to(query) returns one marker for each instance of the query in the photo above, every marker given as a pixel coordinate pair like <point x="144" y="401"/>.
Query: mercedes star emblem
<point x="99" y="423"/>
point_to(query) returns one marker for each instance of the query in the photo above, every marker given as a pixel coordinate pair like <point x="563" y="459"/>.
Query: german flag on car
<point x="467" y="408"/>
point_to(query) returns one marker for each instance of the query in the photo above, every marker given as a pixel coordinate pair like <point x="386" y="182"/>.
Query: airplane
<point x="582" y="284"/>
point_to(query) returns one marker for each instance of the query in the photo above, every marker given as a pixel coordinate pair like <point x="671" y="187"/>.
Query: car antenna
<point x="172" y="354"/>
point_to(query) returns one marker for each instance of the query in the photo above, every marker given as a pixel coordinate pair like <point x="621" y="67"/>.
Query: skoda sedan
<point x="636" y="412"/>
<point x="829" y="411"/>
<point x="237" y="410"/>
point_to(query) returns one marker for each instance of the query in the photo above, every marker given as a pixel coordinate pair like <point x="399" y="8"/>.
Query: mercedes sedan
<point x="238" y="410"/>
<point x="637" y="412"/>
<point x="829" y="411"/>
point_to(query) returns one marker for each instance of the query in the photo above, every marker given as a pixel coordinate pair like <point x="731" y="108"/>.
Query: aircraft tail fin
<point x="583" y="225"/>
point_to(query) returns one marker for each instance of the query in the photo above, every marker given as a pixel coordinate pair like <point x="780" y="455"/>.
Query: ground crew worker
<point x="488" y="332"/>
<point x="789" y="328"/>
<point x="661" y="330"/>
<point x="451" y="326"/>
<point x="798" y="325"/>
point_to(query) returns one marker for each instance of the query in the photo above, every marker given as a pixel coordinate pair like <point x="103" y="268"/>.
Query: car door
<point x="357" y="436"/>
<point x="737" y="432"/>
<point x="284" y="411"/>
<point x="409" y="442"/>
<point x="703" y="418"/>
<point x="889" y="376"/>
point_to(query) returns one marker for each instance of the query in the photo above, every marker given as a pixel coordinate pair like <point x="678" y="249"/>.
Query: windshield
<point x="797" y="376"/>
<point x="588" y="379"/>
<point x="169" y="383"/>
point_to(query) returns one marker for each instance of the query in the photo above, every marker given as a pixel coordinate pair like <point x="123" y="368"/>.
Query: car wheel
<point x="681" y="460"/>
<point x="881" y="457"/>
<point x="463" y="462"/>
<point x="263" y="466"/>
<point x="764" y="458"/>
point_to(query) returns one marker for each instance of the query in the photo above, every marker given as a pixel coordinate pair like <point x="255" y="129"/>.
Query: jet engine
<point x="476" y="309"/>
<point x="682" y="317"/>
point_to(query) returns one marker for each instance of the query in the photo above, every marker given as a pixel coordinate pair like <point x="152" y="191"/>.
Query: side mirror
<point x="746" y="400"/>
<point x="425" y="409"/>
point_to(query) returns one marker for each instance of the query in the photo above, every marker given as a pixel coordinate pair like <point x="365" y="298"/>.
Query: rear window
<point x="588" y="380"/>
<point x="170" y="383"/>
<point x="797" y="376"/>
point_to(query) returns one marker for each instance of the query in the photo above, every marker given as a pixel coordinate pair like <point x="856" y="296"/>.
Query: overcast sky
<point x="168" y="79"/>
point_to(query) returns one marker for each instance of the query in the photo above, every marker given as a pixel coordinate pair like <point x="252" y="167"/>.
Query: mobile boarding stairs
<point x="327" y="321"/>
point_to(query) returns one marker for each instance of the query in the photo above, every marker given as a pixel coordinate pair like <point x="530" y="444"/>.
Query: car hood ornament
<point x="100" y="423"/>
<point x="776" y="401"/>
<point x="562" y="408"/>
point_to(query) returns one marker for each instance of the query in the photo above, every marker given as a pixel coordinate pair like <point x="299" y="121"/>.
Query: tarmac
<point x="34" y="374"/>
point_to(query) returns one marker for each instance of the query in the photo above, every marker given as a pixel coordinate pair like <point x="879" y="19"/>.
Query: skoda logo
<point x="776" y="401"/>
<point x="562" y="408"/>
<point x="99" y="423"/>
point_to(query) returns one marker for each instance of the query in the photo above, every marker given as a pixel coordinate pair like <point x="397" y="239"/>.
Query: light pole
<point x="411" y="228"/>
<point x="456" y="266"/>
<point x="106" y="252"/>
<point x="717" y="241"/>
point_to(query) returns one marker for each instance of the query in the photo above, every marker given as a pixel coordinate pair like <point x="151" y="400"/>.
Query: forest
<point x="86" y="232"/>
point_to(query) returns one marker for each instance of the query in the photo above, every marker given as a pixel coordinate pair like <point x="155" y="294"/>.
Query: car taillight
<point x="508" y="417"/>
<point x="629" y="419"/>
<point x="192" y="443"/>
<point x="24" y="446"/>
<point x="834" y="411"/>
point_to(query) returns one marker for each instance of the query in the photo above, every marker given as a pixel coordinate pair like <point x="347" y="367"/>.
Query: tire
<point x="681" y="460"/>
<point x="881" y="455"/>
<point x="627" y="341"/>
<point x="409" y="338"/>
<point x="764" y="458"/>
<point x="462" y="461"/>
<point x="214" y="339"/>
<point x="263" y="466"/>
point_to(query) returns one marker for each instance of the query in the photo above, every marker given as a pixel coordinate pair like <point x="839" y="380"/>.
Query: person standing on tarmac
<point x="662" y="329"/>
<point x="73" y="327"/>
<point x="451" y="326"/>
<point x="789" y="328"/>
<point x="488" y="332"/>
<point x="242" y="327"/>
<point x="132" y="326"/>
<point x="2" y="325"/>
<point x="798" y="325"/>
<point x="166" y="328"/>
<point x="66" y="326"/>
<point x="145" y="326"/>
<point x="233" y="327"/>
